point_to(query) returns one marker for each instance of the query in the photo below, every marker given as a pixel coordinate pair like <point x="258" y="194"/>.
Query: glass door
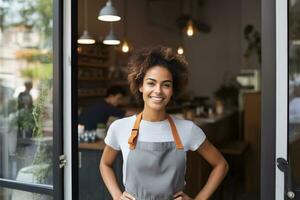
<point x="30" y="100"/>
<point x="288" y="99"/>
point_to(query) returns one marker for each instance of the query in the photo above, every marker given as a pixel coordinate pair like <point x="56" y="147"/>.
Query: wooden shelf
<point x="90" y="95"/>
<point x="94" y="56"/>
<point x="92" y="79"/>
<point x="92" y="65"/>
<point x="97" y="145"/>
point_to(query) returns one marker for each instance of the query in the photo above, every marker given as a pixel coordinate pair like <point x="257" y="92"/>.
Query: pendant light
<point x="108" y="13"/>
<point x="125" y="45"/>
<point x="180" y="50"/>
<point x="85" y="38"/>
<point x="190" y="27"/>
<point x="111" y="39"/>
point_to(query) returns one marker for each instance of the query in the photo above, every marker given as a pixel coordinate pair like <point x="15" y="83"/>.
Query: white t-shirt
<point x="119" y="132"/>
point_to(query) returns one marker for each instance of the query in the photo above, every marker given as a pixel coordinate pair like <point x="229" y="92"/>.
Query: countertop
<point x="201" y="122"/>
<point x="97" y="145"/>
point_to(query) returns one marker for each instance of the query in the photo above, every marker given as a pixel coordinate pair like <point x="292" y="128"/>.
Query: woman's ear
<point x="141" y="88"/>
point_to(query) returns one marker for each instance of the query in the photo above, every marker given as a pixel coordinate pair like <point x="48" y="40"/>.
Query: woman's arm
<point x="106" y="168"/>
<point x="220" y="168"/>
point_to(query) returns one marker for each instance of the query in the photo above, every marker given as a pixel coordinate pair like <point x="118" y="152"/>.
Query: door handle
<point x="62" y="161"/>
<point x="290" y="191"/>
<point x="79" y="159"/>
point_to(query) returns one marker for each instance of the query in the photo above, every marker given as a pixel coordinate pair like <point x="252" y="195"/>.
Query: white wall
<point x="211" y="56"/>
<point x="218" y="56"/>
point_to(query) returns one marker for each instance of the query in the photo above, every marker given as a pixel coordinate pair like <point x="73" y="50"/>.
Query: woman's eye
<point x="150" y="83"/>
<point x="167" y="85"/>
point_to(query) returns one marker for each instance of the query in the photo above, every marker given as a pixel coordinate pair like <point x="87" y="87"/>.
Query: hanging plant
<point x="253" y="39"/>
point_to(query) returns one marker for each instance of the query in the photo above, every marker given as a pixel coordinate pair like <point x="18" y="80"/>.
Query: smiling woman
<point x="164" y="57"/>
<point x="157" y="89"/>
<point x="156" y="75"/>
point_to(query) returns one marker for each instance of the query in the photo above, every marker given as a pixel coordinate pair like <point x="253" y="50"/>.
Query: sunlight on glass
<point x="26" y="70"/>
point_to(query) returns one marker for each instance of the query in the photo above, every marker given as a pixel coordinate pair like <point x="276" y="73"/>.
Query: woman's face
<point x="157" y="88"/>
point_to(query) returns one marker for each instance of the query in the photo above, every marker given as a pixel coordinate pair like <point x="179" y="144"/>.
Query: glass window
<point x="26" y="92"/>
<point x="294" y="89"/>
<point x="9" y="194"/>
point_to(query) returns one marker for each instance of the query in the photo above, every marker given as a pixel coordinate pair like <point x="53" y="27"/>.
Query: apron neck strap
<point x="175" y="133"/>
<point x="135" y="131"/>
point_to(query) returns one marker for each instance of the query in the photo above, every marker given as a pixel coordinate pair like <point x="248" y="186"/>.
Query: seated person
<point x="100" y="112"/>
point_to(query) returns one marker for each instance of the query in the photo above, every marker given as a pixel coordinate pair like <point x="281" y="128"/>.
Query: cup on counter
<point x="101" y="133"/>
<point x="219" y="107"/>
<point x="80" y="129"/>
<point x="88" y="136"/>
<point x="101" y="130"/>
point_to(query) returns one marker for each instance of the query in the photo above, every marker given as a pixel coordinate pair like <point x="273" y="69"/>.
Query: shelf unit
<point x="99" y="66"/>
<point x="93" y="69"/>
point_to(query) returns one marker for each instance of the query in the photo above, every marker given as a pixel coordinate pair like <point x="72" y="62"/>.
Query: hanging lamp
<point x="180" y="50"/>
<point x="190" y="27"/>
<point x="85" y="38"/>
<point x="108" y="13"/>
<point x="125" y="44"/>
<point x="111" y="39"/>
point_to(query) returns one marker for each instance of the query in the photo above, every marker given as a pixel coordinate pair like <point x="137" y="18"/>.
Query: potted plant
<point x="228" y="93"/>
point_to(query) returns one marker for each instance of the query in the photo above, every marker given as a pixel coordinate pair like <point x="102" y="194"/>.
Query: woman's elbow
<point x="225" y="166"/>
<point x="102" y="165"/>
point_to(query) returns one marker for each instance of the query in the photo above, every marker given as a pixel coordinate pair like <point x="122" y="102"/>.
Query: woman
<point x="153" y="143"/>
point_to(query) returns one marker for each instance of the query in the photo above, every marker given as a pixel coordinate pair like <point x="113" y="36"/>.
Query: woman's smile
<point x="157" y="99"/>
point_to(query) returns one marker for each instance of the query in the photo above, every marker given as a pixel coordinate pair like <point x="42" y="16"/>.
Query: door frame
<point x="274" y="135"/>
<point x="268" y="99"/>
<point x="74" y="95"/>
<point x="58" y="91"/>
<point x="70" y="144"/>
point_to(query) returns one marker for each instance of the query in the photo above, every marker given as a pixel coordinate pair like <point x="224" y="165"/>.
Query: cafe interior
<point x="221" y="42"/>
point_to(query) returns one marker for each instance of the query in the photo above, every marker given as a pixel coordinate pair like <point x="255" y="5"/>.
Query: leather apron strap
<point x="175" y="133"/>
<point x="135" y="131"/>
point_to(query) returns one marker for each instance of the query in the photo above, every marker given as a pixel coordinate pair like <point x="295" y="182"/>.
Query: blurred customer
<point x="25" y="98"/>
<point x="26" y="121"/>
<point x="100" y="112"/>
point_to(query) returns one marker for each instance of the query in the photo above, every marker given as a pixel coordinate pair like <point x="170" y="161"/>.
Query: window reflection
<point x="10" y="194"/>
<point x="26" y="91"/>
<point x="294" y="89"/>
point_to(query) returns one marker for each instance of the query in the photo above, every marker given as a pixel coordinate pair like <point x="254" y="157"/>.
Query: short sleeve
<point x="197" y="137"/>
<point x="111" y="138"/>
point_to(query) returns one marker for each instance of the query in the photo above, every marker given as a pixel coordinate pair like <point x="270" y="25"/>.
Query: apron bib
<point x="155" y="170"/>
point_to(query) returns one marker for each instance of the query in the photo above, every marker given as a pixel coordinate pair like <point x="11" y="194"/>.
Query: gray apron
<point x="155" y="170"/>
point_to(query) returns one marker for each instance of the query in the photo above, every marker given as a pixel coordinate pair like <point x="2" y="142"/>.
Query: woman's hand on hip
<point x="181" y="196"/>
<point x="126" y="196"/>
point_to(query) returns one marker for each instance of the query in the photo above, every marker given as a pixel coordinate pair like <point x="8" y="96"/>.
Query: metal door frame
<point x="268" y="80"/>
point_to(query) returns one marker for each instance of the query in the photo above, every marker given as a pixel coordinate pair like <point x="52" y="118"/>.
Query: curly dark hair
<point x="149" y="57"/>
